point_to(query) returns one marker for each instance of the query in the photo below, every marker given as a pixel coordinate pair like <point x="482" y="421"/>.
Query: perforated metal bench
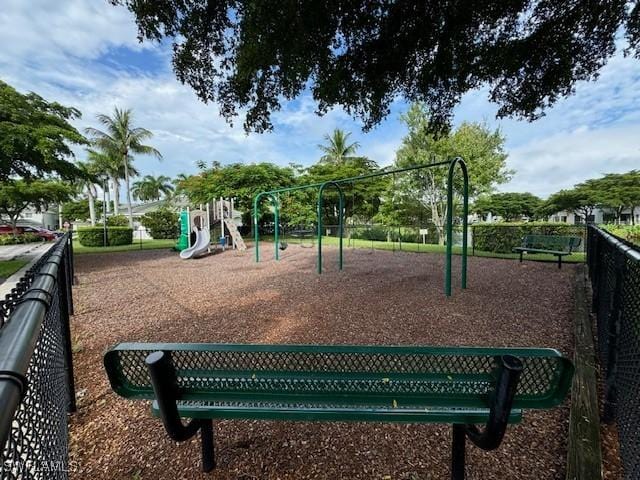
<point x="459" y="385"/>
<point x="558" y="245"/>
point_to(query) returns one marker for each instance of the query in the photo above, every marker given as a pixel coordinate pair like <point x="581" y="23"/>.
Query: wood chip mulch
<point x="380" y="298"/>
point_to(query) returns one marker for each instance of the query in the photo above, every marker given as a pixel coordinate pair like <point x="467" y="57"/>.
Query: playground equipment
<point x="223" y="212"/>
<point x="273" y="197"/>
<point x="200" y="236"/>
<point x="195" y="228"/>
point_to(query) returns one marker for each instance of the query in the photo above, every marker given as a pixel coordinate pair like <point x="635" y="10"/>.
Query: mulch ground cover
<point x="380" y="298"/>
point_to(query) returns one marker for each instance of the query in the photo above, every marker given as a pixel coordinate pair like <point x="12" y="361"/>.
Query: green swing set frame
<point x="274" y="197"/>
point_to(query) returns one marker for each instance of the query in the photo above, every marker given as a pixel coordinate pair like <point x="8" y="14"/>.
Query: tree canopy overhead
<point x="250" y="55"/>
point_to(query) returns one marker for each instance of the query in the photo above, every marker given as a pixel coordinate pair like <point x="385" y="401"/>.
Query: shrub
<point x="94" y="236"/>
<point x="9" y="239"/>
<point x="117" y="221"/>
<point x="375" y="232"/>
<point x="502" y="237"/>
<point x="162" y="223"/>
<point x="631" y="233"/>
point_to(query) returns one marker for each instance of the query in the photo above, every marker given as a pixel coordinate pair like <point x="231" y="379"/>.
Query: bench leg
<point x="458" y="451"/>
<point x="208" y="446"/>
<point x="521" y="252"/>
<point x="559" y="261"/>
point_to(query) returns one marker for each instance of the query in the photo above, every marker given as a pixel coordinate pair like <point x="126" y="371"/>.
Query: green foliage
<point x="631" y="233"/>
<point x="616" y="191"/>
<point x="362" y="198"/>
<point x="481" y="148"/>
<point x="152" y="188"/>
<point x="119" y="141"/>
<point x="503" y="237"/>
<point x="253" y="55"/>
<point x="338" y="149"/>
<point x="242" y="181"/>
<point x="17" y="195"/>
<point x="18" y="239"/>
<point x="510" y="206"/>
<point x="78" y="210"/>
<point x="374" y="232"/>
<point x="94" y="236"/>
<point x="581" y="200"/>
<point x="162" y="224"/>
<point x="117" y="221"/>
<point x="35" y="136"/>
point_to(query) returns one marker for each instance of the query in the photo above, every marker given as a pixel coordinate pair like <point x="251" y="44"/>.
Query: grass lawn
<point x="9" y="267"/>
<point x="578" y="257"/>
<point x="136" y="245"/>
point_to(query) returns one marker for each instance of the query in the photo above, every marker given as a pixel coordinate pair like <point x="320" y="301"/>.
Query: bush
<point x="94" y="236"/>
<point x="9" y="239"/>
<point x="502" y="237"/>
<point x="630" y="233"/>
<point x="162" y="224"/>
<point x="117" y="221"/>
<point x="375" y="232"/>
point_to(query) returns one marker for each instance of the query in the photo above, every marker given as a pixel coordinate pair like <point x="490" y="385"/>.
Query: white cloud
<point x="565" y="159"/>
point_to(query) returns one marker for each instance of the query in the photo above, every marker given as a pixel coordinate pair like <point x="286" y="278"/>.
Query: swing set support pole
<point x="465" y="214"/>
<point x="340" y="222"/>
<point x="458" y="161"/>
<point x="256" y="233"/>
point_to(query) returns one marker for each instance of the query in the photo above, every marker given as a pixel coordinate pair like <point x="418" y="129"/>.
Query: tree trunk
<point x="91" y="194"/>
<point x="107" y="196"/>
<point x="14" y="224"/>
<point x="116" y="197"/>
<point x="126" y="179"/>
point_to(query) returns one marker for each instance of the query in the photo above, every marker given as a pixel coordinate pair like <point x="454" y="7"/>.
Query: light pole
<point x="104" y="212"/>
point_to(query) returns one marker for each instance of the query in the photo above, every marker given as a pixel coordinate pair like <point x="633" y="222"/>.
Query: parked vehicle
<point x="43" y="233"/>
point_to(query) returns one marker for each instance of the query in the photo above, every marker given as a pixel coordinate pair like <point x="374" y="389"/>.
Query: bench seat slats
<point x="322" y="412"/>
<point x="356" y="377"/>
<point x="554" y="244"/>
<point x="540" y="250"/>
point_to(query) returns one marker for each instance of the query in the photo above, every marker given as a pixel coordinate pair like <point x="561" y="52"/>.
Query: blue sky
<point x="85" y="53"/>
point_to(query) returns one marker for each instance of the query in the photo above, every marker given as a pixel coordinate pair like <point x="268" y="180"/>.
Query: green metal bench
<point x="463" y="386"/>
<point x="558" y="245"/>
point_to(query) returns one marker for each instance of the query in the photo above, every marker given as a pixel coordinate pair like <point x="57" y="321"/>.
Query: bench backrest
<point x="366" y="375"/>
<point x="562" y="243"/>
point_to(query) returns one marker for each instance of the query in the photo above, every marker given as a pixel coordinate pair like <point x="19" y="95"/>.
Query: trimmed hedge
<point x="94" y="236"/>
<point x="117" y="221"/>
<point x="502" y="237"/>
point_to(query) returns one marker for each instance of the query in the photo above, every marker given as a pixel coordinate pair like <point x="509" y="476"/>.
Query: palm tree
<point x="88" y="182"/>
<point x="111" y="166"/>
<point x="178" y="183"/>
<point x="337" y="150"/>
<point x="122" y="140"/>
<point x="152" y="188"/>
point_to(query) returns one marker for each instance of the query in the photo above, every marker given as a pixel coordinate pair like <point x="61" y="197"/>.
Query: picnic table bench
<point x="463" y="386"/>
<point x="558" y="245"/>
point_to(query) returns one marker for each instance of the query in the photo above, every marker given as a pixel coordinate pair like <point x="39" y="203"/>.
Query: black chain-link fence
<point x="614" y="268"/>
<point x="36" y="372"/>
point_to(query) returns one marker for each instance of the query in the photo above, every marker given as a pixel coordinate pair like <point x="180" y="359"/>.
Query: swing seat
<point x="283" y="245"/>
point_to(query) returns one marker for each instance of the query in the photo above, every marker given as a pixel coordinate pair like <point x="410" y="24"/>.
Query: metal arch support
<point x="465" y="214"/>
<point x="340" y="221"/>
<point x="449" y="251"/>
<point x="256" y="233"/>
